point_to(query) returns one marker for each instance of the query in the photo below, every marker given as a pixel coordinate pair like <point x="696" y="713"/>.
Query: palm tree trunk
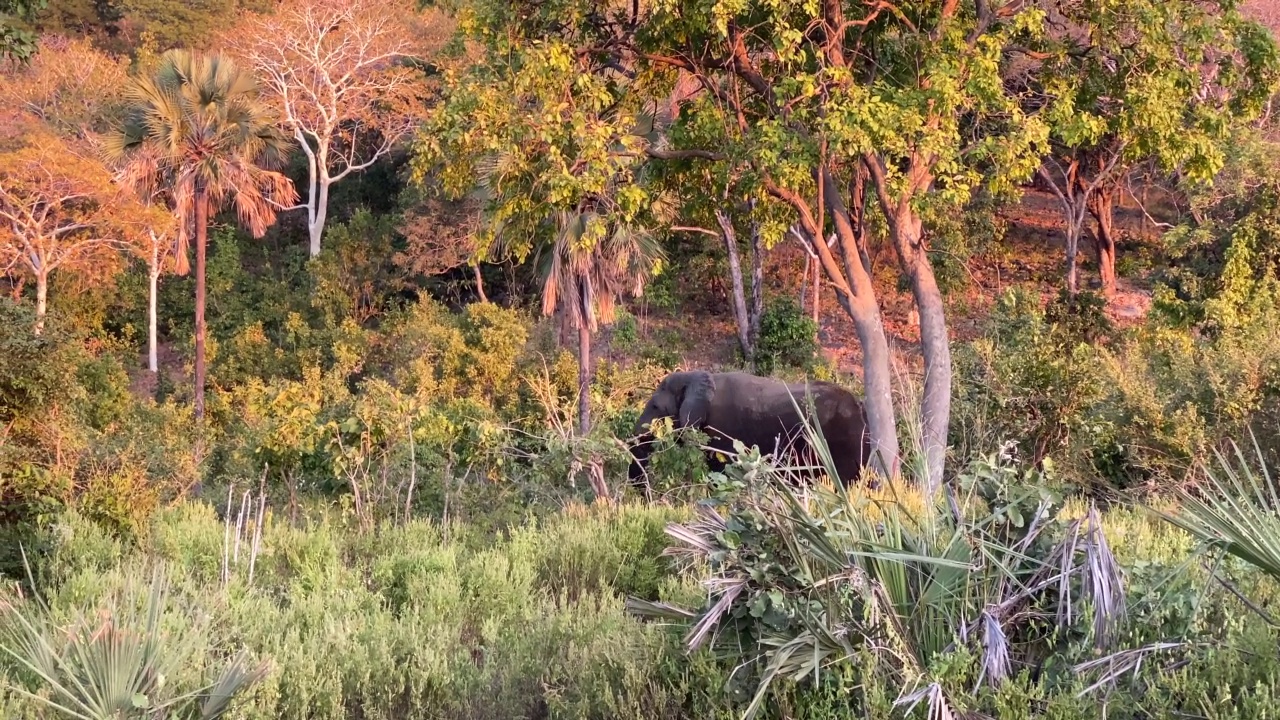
<point x="584" y="365"/>
<point x="202" y="239"/>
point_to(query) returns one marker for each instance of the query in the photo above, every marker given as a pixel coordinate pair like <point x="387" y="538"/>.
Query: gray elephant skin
<point x="758" y="411"/>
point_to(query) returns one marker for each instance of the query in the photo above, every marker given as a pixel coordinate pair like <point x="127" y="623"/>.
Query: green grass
<point x="425" y="620"/>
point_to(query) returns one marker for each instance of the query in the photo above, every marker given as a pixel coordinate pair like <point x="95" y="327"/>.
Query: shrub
<point x="121" y="662"/>
<point x="788" y="337"/>
<point x="1028" y="380"/>
<point x="419" y="619"/>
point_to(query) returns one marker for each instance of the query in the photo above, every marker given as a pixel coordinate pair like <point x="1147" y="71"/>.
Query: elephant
<point x="758" y="411"/>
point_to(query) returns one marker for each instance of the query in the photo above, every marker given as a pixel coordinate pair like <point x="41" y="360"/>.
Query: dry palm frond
<point x="905" y="579"/>
<point x="939" y="706"/>
<point x="1121" y="663"/>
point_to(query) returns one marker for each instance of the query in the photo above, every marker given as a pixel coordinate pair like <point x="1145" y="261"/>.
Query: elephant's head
<point x="684" y="396"/>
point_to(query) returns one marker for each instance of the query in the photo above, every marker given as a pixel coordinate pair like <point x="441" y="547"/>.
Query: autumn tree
<point x="69" y="85"/>
<point x="334" y="71"/>
<point x="440" y="235"/>
<point x="1141" y="81"/>
<point x="902" y="102"/>
<point x="59" y="209"/>
<point x="198" y="131"/>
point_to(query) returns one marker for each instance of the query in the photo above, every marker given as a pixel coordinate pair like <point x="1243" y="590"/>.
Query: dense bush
<point x="788" y="337"/>
<point x="1027" y="380"/>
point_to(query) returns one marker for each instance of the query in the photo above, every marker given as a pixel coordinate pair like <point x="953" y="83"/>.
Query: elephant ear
<point x="695" y="403"/>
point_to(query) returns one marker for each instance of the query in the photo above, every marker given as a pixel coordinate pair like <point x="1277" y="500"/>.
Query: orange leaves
<point x="59" y="206"/>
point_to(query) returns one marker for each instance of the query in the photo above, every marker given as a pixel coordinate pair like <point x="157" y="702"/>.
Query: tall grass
<point x="413" y="620"/>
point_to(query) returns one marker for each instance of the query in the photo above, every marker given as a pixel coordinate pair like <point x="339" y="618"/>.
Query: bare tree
<point x="333" y="69"/>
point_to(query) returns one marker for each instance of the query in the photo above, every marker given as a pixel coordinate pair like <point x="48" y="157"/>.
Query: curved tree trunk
<point x="318" y="215"/>
<point x="757" y="281"/>
<point x="202" y="241"/>
<point x="479" y="283"/>
<point x="817" y="297"/>
<point x="1102" y="207"/>
<point x="864" y="309"/>
<point x="1074" y="198"/>
<point x="804" y="280"/>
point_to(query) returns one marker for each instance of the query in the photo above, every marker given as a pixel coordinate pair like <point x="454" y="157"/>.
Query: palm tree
<point x="592" y="261"/>
<point x="198" y="131"/>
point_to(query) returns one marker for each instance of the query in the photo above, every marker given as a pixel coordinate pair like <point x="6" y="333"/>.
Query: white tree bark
<point x="332" y="68"/>
<point x="153" y="356"/>
<point x="42" y="299"/>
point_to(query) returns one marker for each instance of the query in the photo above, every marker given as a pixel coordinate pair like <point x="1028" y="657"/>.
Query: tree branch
<point x="685" y="154"/>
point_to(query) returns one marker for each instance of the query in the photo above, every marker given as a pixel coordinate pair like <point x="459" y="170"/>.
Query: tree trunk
<point x="584" y="366"/>
<point x="935" y="407"/>
<point x="202" y="240"/>
<point x="757" y="281"/>
<point x="1102" y="207"/>
<point x="479" y="283"/>
<point x="153" y="359"/>
<point x="817" y="293"/>
<point x="1074" y="198"/>
<point x="864" y="309"/>
<point x="321" y="210"/>
<point x="42" y="299"/>
<point x="804" y="281"/>
<point x="739" y="294"/>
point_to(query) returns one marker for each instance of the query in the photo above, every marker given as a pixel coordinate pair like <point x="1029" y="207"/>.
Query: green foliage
<point x="16" y="42"/>
<point x="118" y="663"/>
<point x="1126" y="99"/>
<point x="34" y="369"/>
<point x="415" y="619"/>
<point x="1224" y="271"/>
<point x="183" y="24"/>
<point x="1172" y="397"/>
<point x="788" y="337"/>
<point x="677" y="465"/>
<point x="354" y="275"/>
<point x="956" y="238"/>
<point x="1026" y="380"/>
